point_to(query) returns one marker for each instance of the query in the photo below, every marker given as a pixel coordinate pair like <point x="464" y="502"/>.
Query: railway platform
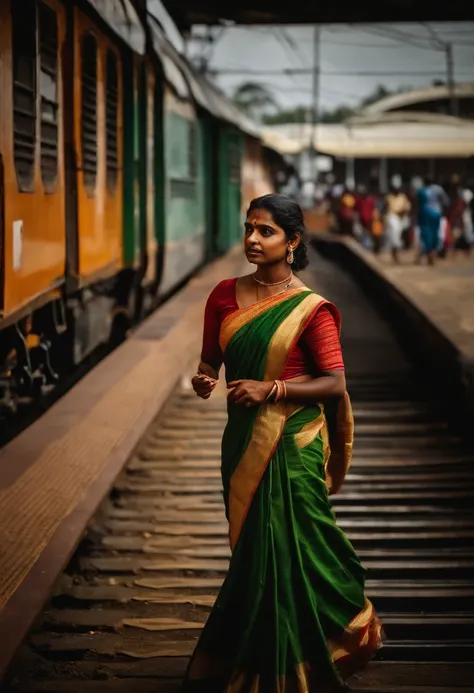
<point x="444" y="293"/>
<point x="435" y="304"/>
<point x="132" y="448"/>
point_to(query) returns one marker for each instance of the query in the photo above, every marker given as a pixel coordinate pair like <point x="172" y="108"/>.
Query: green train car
<point x="120" y="175"/>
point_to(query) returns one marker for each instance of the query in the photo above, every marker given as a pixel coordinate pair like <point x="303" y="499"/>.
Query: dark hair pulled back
<point x="289" y="216"/>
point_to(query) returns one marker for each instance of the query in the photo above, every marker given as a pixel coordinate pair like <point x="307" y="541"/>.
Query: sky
<point x="405" y="55"/>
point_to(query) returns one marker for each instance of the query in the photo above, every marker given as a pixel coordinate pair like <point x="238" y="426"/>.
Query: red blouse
<point x="318" y="349"/>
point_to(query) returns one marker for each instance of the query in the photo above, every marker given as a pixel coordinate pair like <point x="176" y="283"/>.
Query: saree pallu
<point x="291" y="616"/>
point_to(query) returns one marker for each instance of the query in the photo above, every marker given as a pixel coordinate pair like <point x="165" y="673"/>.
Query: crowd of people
<point x="434" y="219"/>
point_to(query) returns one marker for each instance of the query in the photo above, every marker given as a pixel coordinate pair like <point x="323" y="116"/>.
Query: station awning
<point x="428" y="138"/>
<point x="188" y="12"/>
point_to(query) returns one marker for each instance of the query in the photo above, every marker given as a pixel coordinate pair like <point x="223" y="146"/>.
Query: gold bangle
<point x="284" y="389"/>
<point x="279" y="392"/>
<point x="272" y="392"/>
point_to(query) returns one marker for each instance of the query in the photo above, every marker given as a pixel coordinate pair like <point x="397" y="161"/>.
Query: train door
<point x="159" y="175"/>
<point x="152" y="171"/>
<point x="141" y="152"/>
<point x="229" y="188"/>
<point x="98" y="99"/>
<point x="131" y="240"/>
<point x="208" y="127"/>
<point x="235" y="187"/>
<point x="150" y="215"/>
<point x="185" y="234"/>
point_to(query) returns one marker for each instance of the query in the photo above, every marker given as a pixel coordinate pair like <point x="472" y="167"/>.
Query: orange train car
<point x="121" y="171"/>
<point x="64" y="272"/>
<point x="31" y="146"/>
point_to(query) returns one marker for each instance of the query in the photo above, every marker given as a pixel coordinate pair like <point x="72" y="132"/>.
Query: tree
<point x="338" y="115"/>
<point x="380" y="92"/>
<point x="254" y="99"/>
<point x="291" y="115"/>
<point x="301" y="114"/>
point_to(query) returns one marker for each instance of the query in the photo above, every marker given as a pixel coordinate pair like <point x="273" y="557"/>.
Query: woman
<point x="397" y="209"/>
<point x="347" y="211"/>
<point x="291" y="615"/>
<point x="431" y="201"/>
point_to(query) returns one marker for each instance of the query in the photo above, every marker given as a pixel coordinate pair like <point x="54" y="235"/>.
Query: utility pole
<point x="205" y="42"/>
<point x="448" y="48"/>
<point x="315" y="102"/>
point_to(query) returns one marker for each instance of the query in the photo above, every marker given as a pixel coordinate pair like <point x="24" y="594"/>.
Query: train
<point x="122" y="171"/>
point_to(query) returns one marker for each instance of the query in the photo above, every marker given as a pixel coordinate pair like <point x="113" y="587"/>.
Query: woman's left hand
<point x="249" y="392"/>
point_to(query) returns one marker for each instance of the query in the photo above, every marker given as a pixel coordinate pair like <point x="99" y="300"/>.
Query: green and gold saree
<point x="291" y="616"/>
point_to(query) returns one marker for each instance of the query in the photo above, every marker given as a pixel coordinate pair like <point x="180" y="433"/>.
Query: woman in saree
<point x="291" y="616"/>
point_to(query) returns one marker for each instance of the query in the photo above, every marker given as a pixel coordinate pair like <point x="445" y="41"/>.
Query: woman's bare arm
<point x="330" y="384"/>
<point x="253" y="392"/>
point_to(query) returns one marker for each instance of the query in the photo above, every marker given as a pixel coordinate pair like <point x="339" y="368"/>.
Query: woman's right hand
<point x="203" y="385"/>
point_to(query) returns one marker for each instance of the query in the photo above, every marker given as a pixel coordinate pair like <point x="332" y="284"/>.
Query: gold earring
<point x="290" y="258"/>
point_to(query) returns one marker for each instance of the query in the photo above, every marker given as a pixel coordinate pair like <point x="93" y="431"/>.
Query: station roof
<point x="188" y="12"/>
<point x="414" y="96"/>
<point x="415" y="137"/>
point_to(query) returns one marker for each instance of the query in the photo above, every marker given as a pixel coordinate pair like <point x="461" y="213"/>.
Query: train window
<point x="182" y="189"/>
<point x="89" y="109"/>
<point x="48" y="43"/>
<point x="192" y="143"/>
<point x="111" y="111"/>
<point x="24" y="91"/>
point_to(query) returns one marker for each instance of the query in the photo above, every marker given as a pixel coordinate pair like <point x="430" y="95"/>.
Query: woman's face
<point x="265" y="241"/>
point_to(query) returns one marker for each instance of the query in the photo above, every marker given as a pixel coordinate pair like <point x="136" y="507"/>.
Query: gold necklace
<point x="289" y="279"/>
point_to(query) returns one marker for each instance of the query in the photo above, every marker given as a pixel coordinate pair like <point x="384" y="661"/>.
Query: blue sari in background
<point x="430" y="200"/>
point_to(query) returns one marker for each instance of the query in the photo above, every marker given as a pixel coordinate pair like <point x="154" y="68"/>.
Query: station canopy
<point x="390" y="135"/>
<point x="211" y="12"/>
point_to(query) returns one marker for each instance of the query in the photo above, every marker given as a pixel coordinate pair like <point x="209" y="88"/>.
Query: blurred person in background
<point x="460" y="215"/>
<point x="397" y="208"/>
<point x="468" y="197"/>
<point x="431" y="203"/>
<point x="455" y="212"/>
<point x="408" y="221"/>
<point x="445" y="237"/>
<point x="377" y="229"/>
<point x="347" y="212"/>
<point x="365" y="207"/>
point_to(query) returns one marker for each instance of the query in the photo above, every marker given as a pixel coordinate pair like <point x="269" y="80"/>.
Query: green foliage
<point x="254" y="97"/>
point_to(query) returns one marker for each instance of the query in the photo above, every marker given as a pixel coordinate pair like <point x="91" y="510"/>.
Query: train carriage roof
<point x="122" y="18"/>
<point x="187" y="82"/>
<point x="169" y="58"/>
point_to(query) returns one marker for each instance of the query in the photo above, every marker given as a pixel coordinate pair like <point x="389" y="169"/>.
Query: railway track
<point x="127" y="612"/>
